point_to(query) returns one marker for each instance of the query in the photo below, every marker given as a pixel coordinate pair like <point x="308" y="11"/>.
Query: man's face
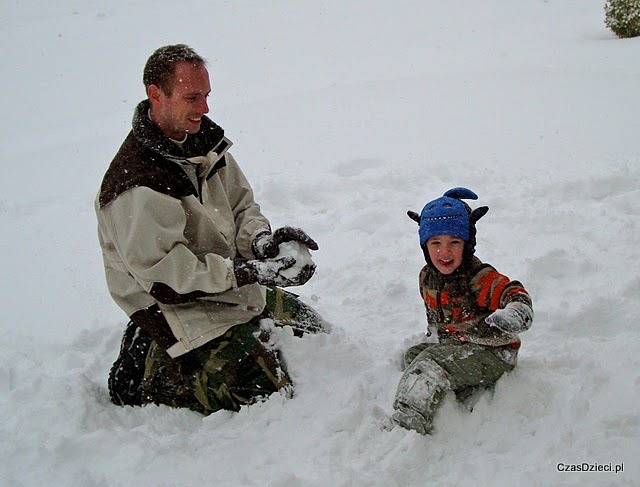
<point x="181" y="112"/>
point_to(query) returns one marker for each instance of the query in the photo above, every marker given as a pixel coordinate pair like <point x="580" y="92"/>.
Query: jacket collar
<point x="209" y="137"/>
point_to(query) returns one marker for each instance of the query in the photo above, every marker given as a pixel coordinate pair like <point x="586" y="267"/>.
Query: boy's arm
<point x="495" y="290"/>
<point x="509" y="301"/>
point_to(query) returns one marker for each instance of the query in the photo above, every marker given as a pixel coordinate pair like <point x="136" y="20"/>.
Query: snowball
<point x="297" y="251"/>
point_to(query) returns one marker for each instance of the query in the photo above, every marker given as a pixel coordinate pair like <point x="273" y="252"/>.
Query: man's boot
<point x="127" y="372"/>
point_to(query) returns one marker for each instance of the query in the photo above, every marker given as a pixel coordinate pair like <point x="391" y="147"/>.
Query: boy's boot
<point x="127" y="372"/>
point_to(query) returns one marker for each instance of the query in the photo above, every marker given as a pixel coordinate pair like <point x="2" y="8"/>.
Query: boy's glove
<point x="266" y="245"/>
<point x="267" y="272"/>
<point x="513" y="318"/>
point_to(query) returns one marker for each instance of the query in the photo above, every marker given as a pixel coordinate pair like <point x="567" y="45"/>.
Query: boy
<point x="475" y="311"/>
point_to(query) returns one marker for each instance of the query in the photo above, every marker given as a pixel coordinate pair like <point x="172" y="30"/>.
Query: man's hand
<point x="266" y="245"/>
<point x="267" y="272"/>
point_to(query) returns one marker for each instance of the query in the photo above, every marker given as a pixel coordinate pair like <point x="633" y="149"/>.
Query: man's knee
<point x="286" y="309"/>
<point x="240" y="369"/>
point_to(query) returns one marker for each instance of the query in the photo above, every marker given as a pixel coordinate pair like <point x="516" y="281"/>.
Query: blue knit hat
<point x="447" y="215"/>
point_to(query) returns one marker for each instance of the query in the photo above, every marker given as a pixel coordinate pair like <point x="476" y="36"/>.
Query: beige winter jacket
<point x="171" y="220"/>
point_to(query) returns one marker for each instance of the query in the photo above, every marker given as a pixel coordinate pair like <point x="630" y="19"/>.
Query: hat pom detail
<point x="460" y="193"/>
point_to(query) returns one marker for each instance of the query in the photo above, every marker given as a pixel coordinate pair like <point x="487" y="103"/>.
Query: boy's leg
<point x="287" y="310"/>
<point x="411" y="353"/>
<point x="236" y="369"/>
<point x="420" y="391"/>
<point x="461" y="368"/>
<point x="475" y="367"/>
<point x="469" y="365"/>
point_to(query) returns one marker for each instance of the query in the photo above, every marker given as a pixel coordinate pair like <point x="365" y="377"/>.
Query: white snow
<point x="344" y="115"/>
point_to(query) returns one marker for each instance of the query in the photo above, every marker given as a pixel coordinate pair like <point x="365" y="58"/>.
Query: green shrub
<point x="623" y="17"/>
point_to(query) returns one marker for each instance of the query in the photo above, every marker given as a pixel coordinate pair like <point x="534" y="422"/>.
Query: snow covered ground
<point x="344" y="114"/>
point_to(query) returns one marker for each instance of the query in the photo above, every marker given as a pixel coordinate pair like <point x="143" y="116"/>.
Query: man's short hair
<point x="161" y="65"/>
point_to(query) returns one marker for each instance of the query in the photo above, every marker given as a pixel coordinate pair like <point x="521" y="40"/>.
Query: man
<point x="187" y="255"/>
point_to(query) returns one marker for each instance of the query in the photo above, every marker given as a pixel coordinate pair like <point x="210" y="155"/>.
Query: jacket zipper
<point x="439" y="304"/>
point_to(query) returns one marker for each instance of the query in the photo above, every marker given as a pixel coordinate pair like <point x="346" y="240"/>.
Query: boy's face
<point x="445" y="252"/>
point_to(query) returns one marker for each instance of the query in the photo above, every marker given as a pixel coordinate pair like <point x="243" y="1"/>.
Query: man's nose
<point x="204" y="106"/>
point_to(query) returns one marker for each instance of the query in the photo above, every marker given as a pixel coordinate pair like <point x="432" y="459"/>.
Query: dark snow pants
<point x="433" y="369"/>
<point x="235" y="369"/>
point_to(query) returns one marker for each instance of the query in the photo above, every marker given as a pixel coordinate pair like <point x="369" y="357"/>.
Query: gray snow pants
<point x="433" y="369"/>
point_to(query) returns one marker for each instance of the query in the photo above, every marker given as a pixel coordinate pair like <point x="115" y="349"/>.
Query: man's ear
<point x="153" y="93"/>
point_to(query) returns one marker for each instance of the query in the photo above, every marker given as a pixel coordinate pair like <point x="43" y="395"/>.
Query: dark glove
<point x="303" y="275"/>
<point x="513" y="318"/>
<point x="267" y="272"/>
<point x="266" y="244"/>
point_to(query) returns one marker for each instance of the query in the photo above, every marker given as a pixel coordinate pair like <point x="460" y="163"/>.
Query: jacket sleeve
<point x="249" y="219"/>
<point x="494" y="290"/>
<point x="147" y="230"/>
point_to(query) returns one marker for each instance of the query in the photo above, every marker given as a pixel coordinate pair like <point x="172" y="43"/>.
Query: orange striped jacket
<point x="457" y="304"/>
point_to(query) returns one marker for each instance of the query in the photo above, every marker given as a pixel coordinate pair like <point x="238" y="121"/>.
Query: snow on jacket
<point x="457" y="304"/>
<point x="171" y="220"/>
